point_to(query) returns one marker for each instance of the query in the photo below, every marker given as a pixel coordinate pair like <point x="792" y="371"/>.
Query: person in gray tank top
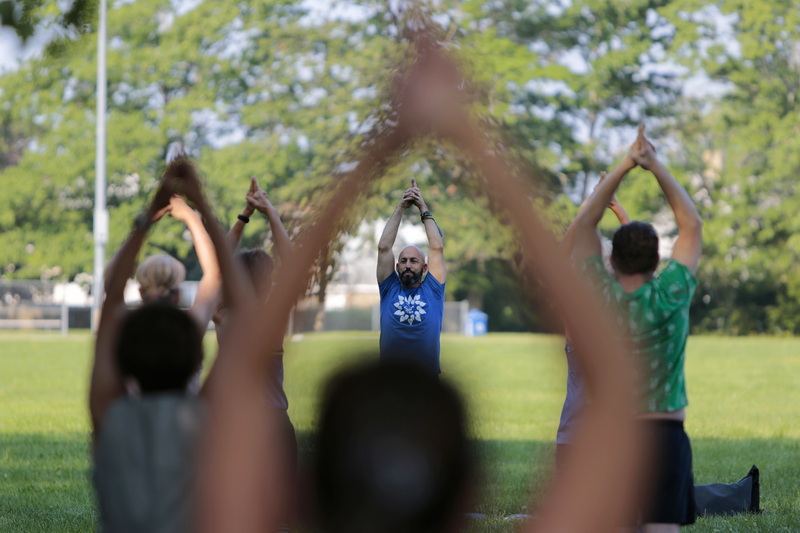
<point x="146" y="423"/>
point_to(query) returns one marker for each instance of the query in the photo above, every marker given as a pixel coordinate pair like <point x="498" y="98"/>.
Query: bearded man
<point x="412" y="291"/>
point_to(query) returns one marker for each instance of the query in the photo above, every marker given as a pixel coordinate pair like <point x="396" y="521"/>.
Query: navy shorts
<point x="670" y="482"/>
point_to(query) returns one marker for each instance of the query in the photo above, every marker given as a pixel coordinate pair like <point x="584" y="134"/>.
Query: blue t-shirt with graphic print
<point x="411" y="321"/>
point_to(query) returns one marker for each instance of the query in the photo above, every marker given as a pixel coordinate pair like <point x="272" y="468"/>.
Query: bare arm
<point x="235" y="233"/>
<point x="688" y="245"/>
<point x="436" y="262"/>
<point x="584" y="227"/>
<point x="207" y="290"/>
<point x="259" y="200"/>
<point x="619" y="211"/>
<point x="238" y="300"/>
<point x="240" y="473"/>
<point x="622" y="217"/>
<point x="385" y="243"/>
<point x="568" y="242"/>
<point x="106" y="383"/>
<point x="283" y="244"/>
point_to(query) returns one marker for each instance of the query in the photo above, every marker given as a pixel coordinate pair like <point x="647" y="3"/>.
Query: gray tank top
<point x="144" y="463"/>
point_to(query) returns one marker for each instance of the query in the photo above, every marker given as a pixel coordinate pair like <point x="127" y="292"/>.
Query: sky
<point x="12" y="50"/>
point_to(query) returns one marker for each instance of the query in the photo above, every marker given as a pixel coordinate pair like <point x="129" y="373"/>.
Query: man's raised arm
<point x="205" y="300"/>
<point x="259" y="200"/>
<point x="436" y="263"/>
<point x="237" y="295"/>
<point x="234" y="235"/>
<point x="688" y="245"/>
<point x="385" y="243"/>
<point x="586" y="239"/>
<point x="106" y="384"/>
<point x="568" y="242"/>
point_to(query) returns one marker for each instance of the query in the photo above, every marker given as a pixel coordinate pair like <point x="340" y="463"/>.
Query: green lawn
<point x="745" y="409"/>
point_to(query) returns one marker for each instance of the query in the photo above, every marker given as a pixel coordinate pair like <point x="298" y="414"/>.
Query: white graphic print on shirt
<point x="409" y="308"/>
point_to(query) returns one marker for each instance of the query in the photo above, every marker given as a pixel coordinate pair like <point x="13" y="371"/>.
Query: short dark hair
<point x="259" y="266"/>
<point x="635" y="248"/>
<point x="161" y="346"/>
<point x="392" y="451"/>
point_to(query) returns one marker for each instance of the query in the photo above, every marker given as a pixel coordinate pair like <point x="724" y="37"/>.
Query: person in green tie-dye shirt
<point x="654" y="310"/>
<point x="656" y="316"/>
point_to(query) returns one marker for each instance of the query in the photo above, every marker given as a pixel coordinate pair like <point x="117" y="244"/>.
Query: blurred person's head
<point x="635" y="249"/>
<point x="259" y="266"/>
<point x="160" y="347"/>
<point x="159" y="278"/>
<point x="392" y="452"/>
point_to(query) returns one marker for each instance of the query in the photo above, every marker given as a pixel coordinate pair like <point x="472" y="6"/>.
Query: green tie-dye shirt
<point x="656" y="316"/>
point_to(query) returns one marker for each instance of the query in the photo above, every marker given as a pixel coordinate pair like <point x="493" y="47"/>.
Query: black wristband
<point x="425" y="215"/>
<point x="243" y="218"/>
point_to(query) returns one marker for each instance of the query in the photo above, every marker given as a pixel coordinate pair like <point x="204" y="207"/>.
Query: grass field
<point x="744" y="393"/>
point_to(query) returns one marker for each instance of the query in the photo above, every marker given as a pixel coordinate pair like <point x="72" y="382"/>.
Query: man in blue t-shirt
<point x="412" y="291"/>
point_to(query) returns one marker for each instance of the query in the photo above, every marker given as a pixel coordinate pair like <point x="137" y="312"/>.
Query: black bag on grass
<point x="743" y="496"/>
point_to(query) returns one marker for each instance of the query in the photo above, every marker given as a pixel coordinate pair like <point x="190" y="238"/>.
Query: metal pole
<point x="100" y="211"/>
<point x="64" y="317"/>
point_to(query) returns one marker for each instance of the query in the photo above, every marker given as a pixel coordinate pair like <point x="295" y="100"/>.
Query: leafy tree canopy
<point x="284" y="92"/>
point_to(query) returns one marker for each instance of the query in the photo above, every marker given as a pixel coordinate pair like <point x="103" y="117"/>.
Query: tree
<point x="64" y="22"/>
<point x="272" y="90"/>
<point x="745" y="152"/>
<point x="598" y="70"/>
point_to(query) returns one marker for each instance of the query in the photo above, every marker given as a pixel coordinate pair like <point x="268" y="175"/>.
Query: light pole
<point x="100" y="211"/>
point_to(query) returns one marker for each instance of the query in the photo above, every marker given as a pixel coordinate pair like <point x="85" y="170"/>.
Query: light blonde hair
<point x="159" y="276"/>
<point x="606" y="246"/>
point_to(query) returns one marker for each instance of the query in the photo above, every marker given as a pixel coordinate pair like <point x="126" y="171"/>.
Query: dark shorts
<point x="670" y="482"/>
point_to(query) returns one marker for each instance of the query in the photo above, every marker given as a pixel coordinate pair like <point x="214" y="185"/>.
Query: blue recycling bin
<point x="477" y="323"/>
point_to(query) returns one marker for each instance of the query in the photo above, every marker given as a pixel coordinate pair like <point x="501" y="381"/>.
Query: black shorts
<point x="670" y="482"/>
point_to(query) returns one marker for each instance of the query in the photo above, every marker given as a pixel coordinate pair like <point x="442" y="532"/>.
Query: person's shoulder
<point x="592" y="261"/>
<point x="391" y="279"/>
<point x="431" y="279"/>
<point x="594" y="266"/>
<point x="433" y="286"/>
<point x="388" y="286"/>
<point x="677" y="280"/>
<point x="674" y="269"/>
